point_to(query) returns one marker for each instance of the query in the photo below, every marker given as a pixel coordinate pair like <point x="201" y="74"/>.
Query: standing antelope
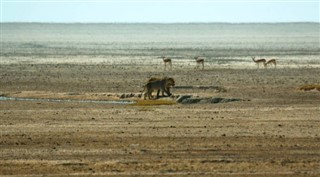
<point x="258" y="61"/>
<point x="199" y="61"/>
<point x="165" y="61"/>
<point x="271" y="61"/>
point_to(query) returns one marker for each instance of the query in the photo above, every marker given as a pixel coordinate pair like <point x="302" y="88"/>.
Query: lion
<point x="158" y="84"/>
<point x="170" y="83"/>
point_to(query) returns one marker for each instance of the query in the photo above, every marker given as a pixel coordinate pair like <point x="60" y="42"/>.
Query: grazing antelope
<point x="166" y="61"/>
<point x="271" y="61"/>
<point x="199" y="61"/>
<point x="258" y="61"/>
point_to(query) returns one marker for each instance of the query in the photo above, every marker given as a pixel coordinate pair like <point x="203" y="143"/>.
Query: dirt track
<point x="276" y="133"/>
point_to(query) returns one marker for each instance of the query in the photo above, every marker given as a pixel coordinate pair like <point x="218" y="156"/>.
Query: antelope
<point x="199" y="61"/>
<point x="258" y="61"/>
<point x="166" y="61"/>
<point x="271" y="61"/>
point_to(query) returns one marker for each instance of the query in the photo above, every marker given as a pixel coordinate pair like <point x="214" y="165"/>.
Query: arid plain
<point x="272" y="131"/>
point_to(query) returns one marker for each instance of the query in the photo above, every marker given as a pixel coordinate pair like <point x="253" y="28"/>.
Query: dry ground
<point x="276" y="133"/>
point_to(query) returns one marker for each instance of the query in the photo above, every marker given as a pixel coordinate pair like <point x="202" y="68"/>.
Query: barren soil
<point x="274" y="133"/>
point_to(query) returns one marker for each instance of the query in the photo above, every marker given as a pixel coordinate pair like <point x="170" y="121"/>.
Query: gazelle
<point x="258" y="61"/>
<point x="199" y="61"/>
<point x="271" y="61"/>
<point x="166" y="61"/>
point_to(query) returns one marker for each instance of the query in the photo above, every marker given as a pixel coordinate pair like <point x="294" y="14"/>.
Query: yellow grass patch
<point x="310" y="87"/>
<point x="153" y="102"/>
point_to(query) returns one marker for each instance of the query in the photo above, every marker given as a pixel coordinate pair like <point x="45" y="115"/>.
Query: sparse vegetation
<point x="274" y="134"/>
<point x="153" y="102"/>
<point x="310" y="87"/>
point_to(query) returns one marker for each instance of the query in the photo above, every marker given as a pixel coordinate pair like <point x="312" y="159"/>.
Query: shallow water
<point x="222" y="44"/>
<point x="211" y="39"/>
<point x="3" y="98"/>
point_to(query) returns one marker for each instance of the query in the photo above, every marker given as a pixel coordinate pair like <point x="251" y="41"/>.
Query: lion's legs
<point x="148" y="93"/>
<point x="167" y="91"/>
<point x="145" y="95"/>
<point x="164" y="90"/>
<point x="158" y="92"/>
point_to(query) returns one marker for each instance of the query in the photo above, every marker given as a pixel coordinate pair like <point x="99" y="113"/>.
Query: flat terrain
<point x="276" y="133"/>
<point x="62" y="70"/>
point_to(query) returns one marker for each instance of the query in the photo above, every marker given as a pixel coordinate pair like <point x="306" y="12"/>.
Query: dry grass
<point x="153" y="102"/>
<point x="310" y="87"/>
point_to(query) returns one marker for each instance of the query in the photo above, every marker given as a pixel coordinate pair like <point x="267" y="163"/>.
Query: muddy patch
<point x="190" y="99"/>
<point x="113" y="98"/>
<point x="3" y="98"/>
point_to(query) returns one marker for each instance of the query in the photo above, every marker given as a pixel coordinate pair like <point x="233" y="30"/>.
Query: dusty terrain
<point x="274" y="133"/>
<point x="52" y="77"/>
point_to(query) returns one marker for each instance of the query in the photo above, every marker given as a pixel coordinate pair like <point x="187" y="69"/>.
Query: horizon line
<point x="159" y="1"/>
<point x="156" y="22"/>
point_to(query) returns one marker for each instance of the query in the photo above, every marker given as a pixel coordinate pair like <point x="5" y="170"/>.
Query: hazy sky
<point x="163" y="11"/>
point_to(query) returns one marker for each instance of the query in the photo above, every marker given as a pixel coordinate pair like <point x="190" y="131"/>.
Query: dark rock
<point x="183" y="97"/>
<point x="227" y="100"/>
<point x="216" y="100"/>
<point x="191" y="100"/>
<point x="224" y="100"/>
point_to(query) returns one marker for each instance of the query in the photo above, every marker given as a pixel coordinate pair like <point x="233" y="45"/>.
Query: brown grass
<point x="153" y="102"/>
<point x="310" y="87"/>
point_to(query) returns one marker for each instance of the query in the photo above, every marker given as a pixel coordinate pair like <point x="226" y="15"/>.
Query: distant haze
<point x="153" y="11"/>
